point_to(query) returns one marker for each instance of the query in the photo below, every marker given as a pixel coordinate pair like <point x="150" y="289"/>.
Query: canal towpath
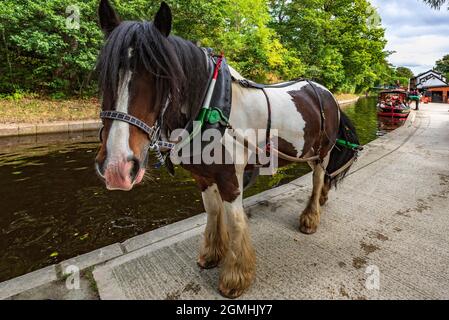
<point x="383" y="235"/>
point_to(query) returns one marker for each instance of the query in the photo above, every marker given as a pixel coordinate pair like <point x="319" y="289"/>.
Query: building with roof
<point x="433" y="84"/>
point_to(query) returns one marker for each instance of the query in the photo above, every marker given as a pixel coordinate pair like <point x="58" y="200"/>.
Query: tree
<point x="442" y="66"/>
<point x="43" y="55"/>
<point x="404" y="72"/>
<point x="341" y="42"/>
<point x="436" y="4"/>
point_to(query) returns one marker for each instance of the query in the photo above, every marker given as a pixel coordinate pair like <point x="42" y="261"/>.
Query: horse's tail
<point x="342" y="156"/>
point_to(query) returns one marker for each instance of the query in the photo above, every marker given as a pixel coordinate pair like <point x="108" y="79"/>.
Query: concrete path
<point x="390" y="218"/>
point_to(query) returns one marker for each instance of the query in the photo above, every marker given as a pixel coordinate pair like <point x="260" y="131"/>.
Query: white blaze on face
<point x="118" y="140"/>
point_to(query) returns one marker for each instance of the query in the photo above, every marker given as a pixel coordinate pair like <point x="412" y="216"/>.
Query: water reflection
<point x="54" y="207"/>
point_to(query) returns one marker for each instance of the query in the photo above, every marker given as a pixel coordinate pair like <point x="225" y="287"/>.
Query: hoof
<point x="229" y="292"/>
<point x="234" y="282"/>
<point x="207" y="264"/>
<point x="308" y="223"/>
<point x="307" y="230"/>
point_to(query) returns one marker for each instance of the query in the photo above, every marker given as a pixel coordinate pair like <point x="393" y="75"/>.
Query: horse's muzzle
<point x="121" y="175"/>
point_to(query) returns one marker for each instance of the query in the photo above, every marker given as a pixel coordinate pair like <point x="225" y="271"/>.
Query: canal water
<point x="53" y="206"/>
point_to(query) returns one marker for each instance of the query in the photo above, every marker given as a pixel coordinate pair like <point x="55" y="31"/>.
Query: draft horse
<point x="152" y="81"/>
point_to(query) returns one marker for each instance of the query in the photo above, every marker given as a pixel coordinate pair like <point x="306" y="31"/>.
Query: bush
<point x="42" y="54"/>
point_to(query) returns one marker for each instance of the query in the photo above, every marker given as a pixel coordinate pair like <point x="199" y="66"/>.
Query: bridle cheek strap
<point x="153" y="132"/>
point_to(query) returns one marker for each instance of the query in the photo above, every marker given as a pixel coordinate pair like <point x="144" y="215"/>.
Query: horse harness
<point x="250" y="84"/>
<point x="218" y="116"/>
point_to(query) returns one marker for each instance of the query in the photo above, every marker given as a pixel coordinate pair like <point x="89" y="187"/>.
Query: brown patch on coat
<point x="102" y="152"/>
<point x="307" y="104"/>
<point x="223" y="175"/>
<point x="285" y="147"/>
<point x="107" y="104"/>
<point x="203" y="182"/>
<point x="140" y="105"/>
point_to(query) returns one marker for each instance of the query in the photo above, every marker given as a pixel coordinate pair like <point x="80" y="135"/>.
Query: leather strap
<point x="124" y="117"/>
<point x="268" y="131"/>
<point x="251" y="84"/>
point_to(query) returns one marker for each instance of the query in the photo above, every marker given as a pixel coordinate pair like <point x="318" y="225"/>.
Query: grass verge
<point x="38" y="110"/>
<point x="345" y="96"/>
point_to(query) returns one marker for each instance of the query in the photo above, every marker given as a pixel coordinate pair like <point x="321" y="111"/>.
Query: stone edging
<point x="349" y="101"/>
<point x="28" y="129"/>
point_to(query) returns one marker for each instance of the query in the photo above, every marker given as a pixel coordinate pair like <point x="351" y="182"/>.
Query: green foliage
<point x="404" y="72"/>
<point x="14" y="96"/>
<point x="42" y="54"/>
<point x="341" y="42"/>
<point x="442" y="66"/>
<point x="436" y="4"/>
<point x="334" y="42"/>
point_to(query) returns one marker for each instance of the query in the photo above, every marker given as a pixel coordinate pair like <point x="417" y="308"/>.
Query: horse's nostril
<point x="134" y="168"/>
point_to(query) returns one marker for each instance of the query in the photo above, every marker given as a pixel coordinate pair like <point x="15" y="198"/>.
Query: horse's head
<point x="140" y="74"/>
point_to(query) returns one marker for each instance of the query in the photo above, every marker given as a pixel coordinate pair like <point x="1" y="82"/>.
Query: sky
<point x="418" y="33"/>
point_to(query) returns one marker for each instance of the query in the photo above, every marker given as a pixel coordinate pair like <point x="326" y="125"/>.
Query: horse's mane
<point x="178" y="65"/>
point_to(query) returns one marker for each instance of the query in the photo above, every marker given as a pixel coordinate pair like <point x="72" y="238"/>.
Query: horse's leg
<point x="325" y="191"/>
<point x="310" y="218"/>
<point x="215" y="236"/>
<point x="239" y="264"/>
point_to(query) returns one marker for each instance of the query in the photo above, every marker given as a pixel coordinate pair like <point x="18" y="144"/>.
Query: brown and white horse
<point x="145" y="71"/>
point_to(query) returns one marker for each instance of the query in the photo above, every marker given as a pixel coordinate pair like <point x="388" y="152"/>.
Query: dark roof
<point x="431" y="70"/>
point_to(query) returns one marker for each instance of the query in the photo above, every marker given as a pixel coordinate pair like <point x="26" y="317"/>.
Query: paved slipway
<point x="384" y="235"/>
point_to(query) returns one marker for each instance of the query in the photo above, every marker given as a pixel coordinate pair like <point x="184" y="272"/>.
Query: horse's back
<point x="296" y="111"/>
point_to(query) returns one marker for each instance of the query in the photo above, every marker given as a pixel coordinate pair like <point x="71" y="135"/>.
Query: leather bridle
<point x="154" y="132"/>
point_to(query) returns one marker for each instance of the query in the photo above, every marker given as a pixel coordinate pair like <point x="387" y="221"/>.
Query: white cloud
<point x="418" y="33"/>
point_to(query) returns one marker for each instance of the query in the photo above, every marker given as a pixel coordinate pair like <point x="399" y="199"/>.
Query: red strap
<point x="218" y="65"/>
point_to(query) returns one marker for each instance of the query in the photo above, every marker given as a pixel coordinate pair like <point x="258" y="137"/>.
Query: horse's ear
<point x="108" y="18"/>
<point x="163" y="19"/>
